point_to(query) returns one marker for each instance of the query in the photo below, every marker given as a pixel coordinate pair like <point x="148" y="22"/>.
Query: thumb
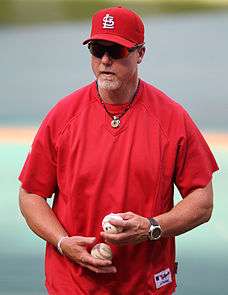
<point x="85" y="240"/>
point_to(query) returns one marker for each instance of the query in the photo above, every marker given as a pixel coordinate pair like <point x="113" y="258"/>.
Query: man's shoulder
<point x="69" y="107"/>
<point x="164" y="109"/>
<point x="157" y="99"/>
<point x="76" y="100"/>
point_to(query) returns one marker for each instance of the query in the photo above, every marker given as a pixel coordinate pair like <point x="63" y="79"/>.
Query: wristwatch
<point x="154" y="230"/>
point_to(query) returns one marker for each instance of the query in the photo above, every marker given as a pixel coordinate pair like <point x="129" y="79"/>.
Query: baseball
<point x="110" y="228"/>
<point x="102" y="251"/>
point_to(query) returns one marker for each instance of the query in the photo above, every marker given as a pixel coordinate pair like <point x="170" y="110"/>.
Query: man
<point x="116" y="145"/>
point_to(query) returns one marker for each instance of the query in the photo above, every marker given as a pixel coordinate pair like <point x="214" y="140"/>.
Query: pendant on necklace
<point x="115" y="122"/>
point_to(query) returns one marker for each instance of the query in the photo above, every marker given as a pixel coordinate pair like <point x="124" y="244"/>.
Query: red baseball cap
<point x="119" y="25"/>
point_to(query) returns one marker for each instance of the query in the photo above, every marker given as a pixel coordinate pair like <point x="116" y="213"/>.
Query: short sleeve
<point x="38" y="175"/>
<point x="195" y="162"/>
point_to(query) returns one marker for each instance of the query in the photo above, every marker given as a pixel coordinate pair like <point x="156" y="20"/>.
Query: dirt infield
<point x="26" y="134"/>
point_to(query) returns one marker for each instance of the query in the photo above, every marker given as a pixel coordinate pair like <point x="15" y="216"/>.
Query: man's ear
<point x="141" y="53"/>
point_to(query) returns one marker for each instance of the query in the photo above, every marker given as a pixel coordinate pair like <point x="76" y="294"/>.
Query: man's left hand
<point x="135" y="229"/>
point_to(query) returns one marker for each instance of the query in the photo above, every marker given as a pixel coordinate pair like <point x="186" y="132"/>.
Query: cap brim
<point x="111" y="38"/>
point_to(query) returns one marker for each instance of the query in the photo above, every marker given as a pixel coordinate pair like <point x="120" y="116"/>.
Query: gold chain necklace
<point x="115" y="123"/>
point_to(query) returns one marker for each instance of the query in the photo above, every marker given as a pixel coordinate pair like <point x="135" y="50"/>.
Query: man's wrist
<point x="155" y="230"/>
<point x="59" y="244"/>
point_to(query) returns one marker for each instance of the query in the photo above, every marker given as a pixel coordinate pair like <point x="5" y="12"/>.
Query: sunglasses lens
<point x="117" y="51"/>
<point x="96" y="50"/>
<point x="114" y="51"/>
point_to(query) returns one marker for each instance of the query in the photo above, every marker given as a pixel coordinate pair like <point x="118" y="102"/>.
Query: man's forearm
<point x="40" y="217"/>
<point x="193" y="210"/>
<point x="42" y="220"/>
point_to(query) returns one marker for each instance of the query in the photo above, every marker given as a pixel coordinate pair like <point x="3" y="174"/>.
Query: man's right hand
<point x="75" y="249"/>
<point x="38" y="214"/>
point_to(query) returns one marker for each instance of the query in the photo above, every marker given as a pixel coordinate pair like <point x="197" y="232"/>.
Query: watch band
<point x="153" y="221"/>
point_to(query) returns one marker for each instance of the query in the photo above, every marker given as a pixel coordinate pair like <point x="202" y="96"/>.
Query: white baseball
<point x="110" y="228"/>
<point x="102" y="251"/>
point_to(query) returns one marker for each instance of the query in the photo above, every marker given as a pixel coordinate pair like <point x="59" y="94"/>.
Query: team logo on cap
<point x="108" y="22"/>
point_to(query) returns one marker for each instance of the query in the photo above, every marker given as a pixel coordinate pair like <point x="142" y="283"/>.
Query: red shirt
<point x="94" y="169"/>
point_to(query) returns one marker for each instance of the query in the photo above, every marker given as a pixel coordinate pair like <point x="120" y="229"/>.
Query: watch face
<point x="156" y="232"/>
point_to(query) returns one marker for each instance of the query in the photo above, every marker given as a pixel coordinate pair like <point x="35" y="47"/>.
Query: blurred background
<point x="42" y="60"/>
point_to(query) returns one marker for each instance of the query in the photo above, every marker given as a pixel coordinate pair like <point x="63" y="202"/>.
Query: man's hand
<point x="75" y="249"/>
<point x="38" y="214"/>
<point x="135" y="229"/>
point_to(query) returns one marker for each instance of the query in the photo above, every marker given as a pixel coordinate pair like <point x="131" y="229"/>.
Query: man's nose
<point x="106" y="59"/>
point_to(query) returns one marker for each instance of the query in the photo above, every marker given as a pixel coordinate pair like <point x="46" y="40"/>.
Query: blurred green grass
<point x="38" y="11"/>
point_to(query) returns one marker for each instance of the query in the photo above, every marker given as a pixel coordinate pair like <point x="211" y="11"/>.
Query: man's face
<point x="113" y="73"/>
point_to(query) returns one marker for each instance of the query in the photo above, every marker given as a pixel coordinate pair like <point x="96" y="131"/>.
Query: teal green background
<point x="202" y="253"/>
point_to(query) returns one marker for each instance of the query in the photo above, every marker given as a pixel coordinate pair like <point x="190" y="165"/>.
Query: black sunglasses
<point x="115" y="51"/>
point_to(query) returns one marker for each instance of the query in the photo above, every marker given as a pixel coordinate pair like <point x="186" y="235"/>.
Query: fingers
<point x="120" y="238"/>
<point x="104" y="269"/>
<point x="135" y="230"/>
<point x="86" y="258"/>
<point x="75" y="249"/>
<point x="97" y="265"/>
<point x="124" y="238"/>
<point x="126" y="223"/>
<point x="126" y="215"/>
<point x="84" y="240"/>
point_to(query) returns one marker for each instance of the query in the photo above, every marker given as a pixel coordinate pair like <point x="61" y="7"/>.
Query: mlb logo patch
<point x="163" y="278"/>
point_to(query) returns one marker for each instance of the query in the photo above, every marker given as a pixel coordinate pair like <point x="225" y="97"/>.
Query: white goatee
<point x="108" y="85"/>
